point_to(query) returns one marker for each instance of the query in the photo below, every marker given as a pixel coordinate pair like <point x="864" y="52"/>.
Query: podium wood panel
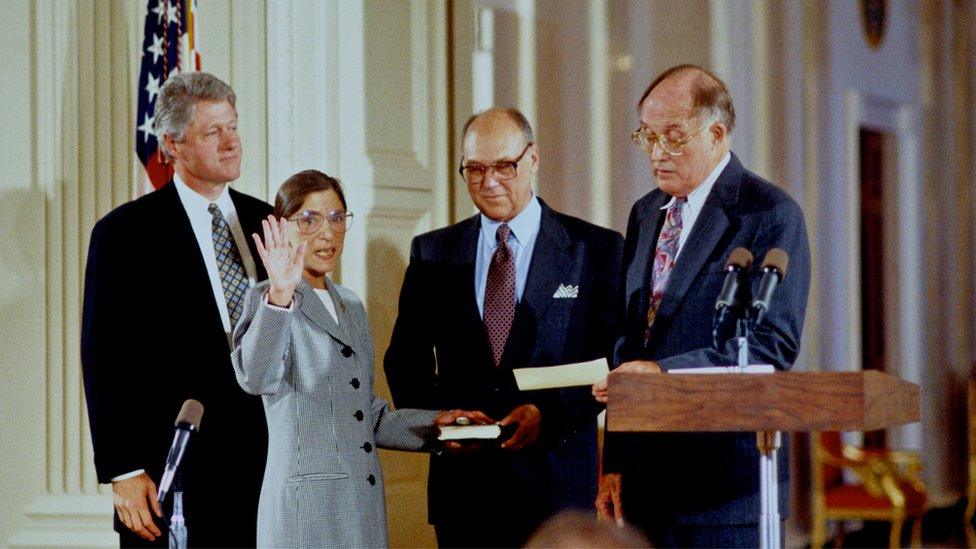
<point x="782" y="401"/>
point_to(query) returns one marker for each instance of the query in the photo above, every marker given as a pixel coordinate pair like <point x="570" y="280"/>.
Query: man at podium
<point x="697" y="489"/>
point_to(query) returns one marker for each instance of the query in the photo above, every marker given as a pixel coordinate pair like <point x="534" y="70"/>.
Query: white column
<point x="599" y="122"/>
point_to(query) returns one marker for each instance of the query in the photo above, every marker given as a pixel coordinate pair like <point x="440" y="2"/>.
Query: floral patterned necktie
<point x="664" y="256"/>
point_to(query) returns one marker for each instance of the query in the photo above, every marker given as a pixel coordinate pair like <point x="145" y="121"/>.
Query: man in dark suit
<point x="163" y="284"/>
<point x="697" y="489"/>
<point x="517" y="285"/>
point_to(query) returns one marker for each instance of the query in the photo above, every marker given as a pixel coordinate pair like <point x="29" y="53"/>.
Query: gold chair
<point x="888" y="489"/>
<point x="971" y="489"/>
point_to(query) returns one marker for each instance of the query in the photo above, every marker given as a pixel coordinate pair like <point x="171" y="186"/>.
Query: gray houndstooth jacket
<point x="323" y="486"/>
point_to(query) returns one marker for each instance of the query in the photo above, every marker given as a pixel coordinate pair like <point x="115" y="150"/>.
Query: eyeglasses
<point x="645" y="140"/>
<point x="310" y="221"/>
<point x="474" y="174"/>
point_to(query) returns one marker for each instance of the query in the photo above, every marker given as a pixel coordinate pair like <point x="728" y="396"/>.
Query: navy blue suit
<point x="439" y="357"/>
<point x="694" y="479"/>
<point x="151" y="337"/>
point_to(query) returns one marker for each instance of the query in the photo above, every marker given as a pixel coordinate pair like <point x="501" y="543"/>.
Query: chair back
<point x="830" y="444"/>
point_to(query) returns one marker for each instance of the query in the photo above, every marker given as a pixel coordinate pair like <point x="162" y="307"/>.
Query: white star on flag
<point x="147" y="128"/>
<point x="172" y="13"/>
<point x="157" y="48"/>
<point x="152" y="87"/>
<point x="158" y="10"/>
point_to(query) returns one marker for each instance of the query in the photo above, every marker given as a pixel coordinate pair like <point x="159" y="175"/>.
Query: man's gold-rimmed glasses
<point x="645" y="140"/>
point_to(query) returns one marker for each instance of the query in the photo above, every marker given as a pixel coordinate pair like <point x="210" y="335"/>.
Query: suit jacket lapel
<point x="544" y="278"/>
<point x="462" y="283"/>
<point x="250" y="222"/>
<point x="313" y="308"/>
<point x="184" y="241"/>
<point x="713" y="222"/>
<point x="639" y="272"/>
<point x="548" y="264"/>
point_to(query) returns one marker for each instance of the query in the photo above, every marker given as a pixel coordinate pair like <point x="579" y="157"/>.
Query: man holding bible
<point x="517" y="285"/>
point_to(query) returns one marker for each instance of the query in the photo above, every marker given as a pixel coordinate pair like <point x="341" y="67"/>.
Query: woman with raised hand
<point x="304" y="344"/>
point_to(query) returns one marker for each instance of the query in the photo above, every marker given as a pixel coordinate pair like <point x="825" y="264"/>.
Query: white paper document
<point x="567" y="375"/>
<point x="750" y="369"/>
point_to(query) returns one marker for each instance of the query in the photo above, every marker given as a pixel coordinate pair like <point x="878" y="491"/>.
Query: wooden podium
<point x="764" y="403"/>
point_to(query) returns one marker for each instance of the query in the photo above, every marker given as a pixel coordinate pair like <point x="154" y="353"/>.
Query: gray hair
<point x="514" y="114"/>
<point x="178" y="97"/>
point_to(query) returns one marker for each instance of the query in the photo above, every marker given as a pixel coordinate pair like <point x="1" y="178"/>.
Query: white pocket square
<point x="565" y="291"/>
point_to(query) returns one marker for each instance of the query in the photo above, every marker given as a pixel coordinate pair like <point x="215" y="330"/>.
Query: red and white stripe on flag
<point x="169" y="46"/>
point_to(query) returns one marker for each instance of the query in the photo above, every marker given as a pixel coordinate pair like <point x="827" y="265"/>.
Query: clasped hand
<point x="281" y="260"/>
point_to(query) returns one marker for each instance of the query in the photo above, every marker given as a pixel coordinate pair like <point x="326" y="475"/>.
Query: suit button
<point x="371" y="479"/>
<point x="358" y="415"/>
<point x="346" y="351"/>
<point x="354" y="383"/>
<point x="368" y="447"/>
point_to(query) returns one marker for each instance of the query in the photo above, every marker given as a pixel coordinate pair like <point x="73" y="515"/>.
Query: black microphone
<point x="739" y="262"/>
<point x="774" y="271"/>
<point x="188" y="421"/>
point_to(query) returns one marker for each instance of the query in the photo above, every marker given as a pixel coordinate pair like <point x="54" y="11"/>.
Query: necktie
<point x="664" y="255"/>
<point x="500" y="293"/>
<point x="229" y="264"/>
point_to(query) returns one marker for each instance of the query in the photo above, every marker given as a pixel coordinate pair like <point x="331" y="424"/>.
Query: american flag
<point x="169" y="46"/>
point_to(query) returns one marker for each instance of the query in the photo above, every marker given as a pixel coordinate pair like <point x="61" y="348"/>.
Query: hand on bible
<point x="529" y="420"/>
<point x="451" y="417"/>
<point x="283" y="261"/>
<point x="647" y="366"/>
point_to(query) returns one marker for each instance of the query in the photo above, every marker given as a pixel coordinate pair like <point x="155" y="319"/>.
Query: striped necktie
<point x="233" y="278"/>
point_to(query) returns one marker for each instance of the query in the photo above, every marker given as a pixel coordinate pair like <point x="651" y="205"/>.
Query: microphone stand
<point x="177" y="525"/>
<point x="768" y="443"/>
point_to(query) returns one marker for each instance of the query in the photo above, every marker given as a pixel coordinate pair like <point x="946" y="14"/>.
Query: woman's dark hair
<point x="296" y="188"/>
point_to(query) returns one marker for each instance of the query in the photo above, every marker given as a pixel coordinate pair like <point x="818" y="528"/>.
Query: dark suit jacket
<point x="692" y="478"/>
<point x="151" y="338"/>
<point x="439" y="357"/>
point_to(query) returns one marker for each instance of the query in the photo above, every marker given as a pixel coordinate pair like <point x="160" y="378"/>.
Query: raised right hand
<point x="133" y="499"/>
<point x="282" y="261"/>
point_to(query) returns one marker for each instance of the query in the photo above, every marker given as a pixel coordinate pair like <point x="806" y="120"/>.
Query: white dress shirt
<point x="696" y="199"/>
<point x="326" y="300"/>
<point x="525" y="228"/>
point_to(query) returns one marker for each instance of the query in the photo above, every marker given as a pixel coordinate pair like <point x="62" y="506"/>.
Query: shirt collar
<point x="524" y="225"/>
<point x="196" y="201"/>
<point x="696" y="198"/>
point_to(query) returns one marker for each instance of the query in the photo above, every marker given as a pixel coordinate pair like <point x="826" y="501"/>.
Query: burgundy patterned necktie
<point x="664" y="256"/>
<point x="500" y="294"/>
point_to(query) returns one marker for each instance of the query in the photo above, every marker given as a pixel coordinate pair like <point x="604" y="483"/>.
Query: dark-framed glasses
<point x="474" y="174"/>
<point x="310" y="221"/>
<point x="646" y="139"/>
